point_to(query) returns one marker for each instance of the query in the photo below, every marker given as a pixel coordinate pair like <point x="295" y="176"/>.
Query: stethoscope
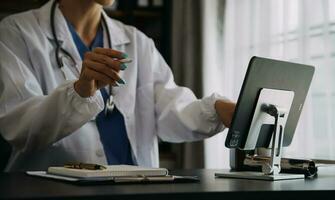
<point x="109" y="103"/>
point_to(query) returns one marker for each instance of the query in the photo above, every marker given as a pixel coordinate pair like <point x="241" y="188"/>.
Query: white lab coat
<point x="48" y="123"/>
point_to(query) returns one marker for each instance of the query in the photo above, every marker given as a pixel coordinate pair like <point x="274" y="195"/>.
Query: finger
<point x="102" y="84"/>
<point x="92" y="63"/>
<point x="115" y="84"/>
<point x="110" y="53"/>
<point x="99" y="77"/>
<point x="116" y="65"/>
<point x="101" y="68"/>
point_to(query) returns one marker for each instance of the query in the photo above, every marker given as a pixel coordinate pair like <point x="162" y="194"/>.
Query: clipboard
<point x="115" y="180"/>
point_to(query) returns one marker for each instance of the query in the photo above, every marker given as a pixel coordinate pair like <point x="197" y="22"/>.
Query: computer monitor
<point x="271" y="74"/>
<point x="268" y="109"/>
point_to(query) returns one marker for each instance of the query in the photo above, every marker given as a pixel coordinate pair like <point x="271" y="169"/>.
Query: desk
<point x="21" y="186"/>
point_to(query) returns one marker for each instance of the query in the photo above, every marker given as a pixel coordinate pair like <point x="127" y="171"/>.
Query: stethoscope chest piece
<point x="109" y="105"/>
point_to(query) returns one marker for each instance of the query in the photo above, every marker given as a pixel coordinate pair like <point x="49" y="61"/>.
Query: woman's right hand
<point x="99" y="69"/>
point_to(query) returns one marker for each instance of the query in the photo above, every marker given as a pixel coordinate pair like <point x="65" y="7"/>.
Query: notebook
<point x="110" y="171"/>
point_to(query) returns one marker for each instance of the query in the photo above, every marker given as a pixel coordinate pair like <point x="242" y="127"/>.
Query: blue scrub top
<point x="112" y="130"/>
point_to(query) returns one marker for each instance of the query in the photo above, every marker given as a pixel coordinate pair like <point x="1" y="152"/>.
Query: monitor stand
<point x="270" y="171"/>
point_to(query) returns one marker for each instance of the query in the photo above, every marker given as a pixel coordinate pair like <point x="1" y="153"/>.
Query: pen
<point x="125" y="60"/>
<point x="79" y="165"/>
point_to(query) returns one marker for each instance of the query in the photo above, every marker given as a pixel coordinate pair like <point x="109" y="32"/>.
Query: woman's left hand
<point x="225" y="109"/>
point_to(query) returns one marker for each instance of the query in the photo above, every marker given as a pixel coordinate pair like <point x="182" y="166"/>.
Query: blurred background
<point x="208" y="45"/>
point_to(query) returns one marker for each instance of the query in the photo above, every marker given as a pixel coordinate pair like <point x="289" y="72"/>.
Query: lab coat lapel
<point x="118" y="39"/>
<point x="117" y="34"/>
<point x="124" y="96"/>
<point x="62" y="31"/>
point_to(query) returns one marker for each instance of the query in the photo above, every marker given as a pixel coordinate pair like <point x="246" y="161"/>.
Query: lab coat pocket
<point x="145" y="108"/>
<point x="145" y="98"/>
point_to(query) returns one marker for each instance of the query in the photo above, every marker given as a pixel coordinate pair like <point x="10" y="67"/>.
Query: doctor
<point x="66" y="93"/>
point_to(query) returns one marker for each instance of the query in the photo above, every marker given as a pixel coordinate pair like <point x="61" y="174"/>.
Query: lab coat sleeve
<point x="180" y="115"/>
<point x="30" y="120"/>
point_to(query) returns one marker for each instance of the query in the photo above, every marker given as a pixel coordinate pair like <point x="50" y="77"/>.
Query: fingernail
<point x="121" y="81"/>
<point x="124" y="55"/>
<point x="123" y="66"/>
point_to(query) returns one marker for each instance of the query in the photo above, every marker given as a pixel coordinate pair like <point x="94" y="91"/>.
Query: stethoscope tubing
<point x="59" y="49"/>
<point x="58" y="46"/>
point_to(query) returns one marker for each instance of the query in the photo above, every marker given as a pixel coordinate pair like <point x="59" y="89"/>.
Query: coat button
<point x="99" y="152"/>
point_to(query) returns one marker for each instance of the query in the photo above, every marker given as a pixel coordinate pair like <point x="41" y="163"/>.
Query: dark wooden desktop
<point x="21" y="186"/>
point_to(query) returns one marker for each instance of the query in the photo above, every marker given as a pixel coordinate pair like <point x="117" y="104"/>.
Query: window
<point x="300" y="31"/>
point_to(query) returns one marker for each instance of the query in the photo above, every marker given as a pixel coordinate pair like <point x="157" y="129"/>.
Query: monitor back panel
<point x="272" y="74"/>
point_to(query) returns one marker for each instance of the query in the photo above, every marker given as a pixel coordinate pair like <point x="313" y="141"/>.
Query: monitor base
<point x="259" y="176"/>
